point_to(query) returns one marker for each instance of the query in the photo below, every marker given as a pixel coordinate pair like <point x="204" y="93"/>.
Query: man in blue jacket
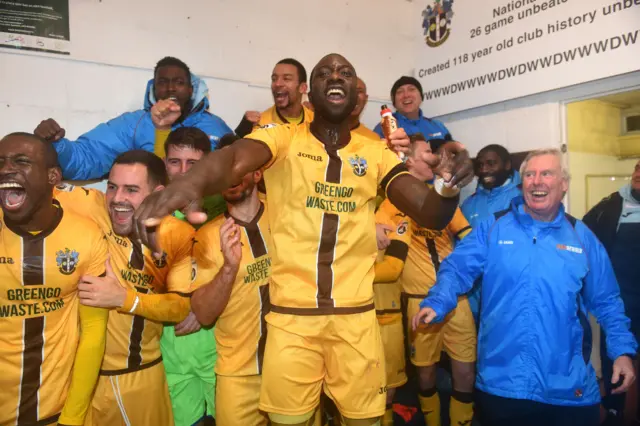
<point x="406" y="95"/>
<point x="543" y="271"/>
<point x="498" y="184"/>
<point x="616" y="222"/>
<point x="91" y="156"/>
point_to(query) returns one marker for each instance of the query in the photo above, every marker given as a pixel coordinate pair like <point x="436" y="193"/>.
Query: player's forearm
<point x="166" y="307"/>
<point x="421" y="203"/>
<point x="209" y="301"/>
<point x="93" y="326"/>
<point x="224" y="168"/>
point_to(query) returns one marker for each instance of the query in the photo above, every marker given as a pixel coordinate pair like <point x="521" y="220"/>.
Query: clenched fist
<point x="252" y="116"/>
<point x="49" y="130"/>
<point x="164" y="113"/>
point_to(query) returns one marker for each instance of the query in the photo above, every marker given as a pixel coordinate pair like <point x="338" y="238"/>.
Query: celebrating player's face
<point x="180" y="158"/>
<point x="286" y="87"/>
<point x="242" y="191"/>
<point x="127" y="187"/>
<point x="333" y="91"/>
<point x="173" y="82"/>
<point x="25" y="178"/>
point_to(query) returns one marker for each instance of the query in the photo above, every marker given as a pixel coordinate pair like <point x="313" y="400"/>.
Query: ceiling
<point x="623" y="100"/>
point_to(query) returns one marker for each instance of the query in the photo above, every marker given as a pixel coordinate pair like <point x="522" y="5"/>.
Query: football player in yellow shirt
<point x="234" y="267"/>
<point x="142" y="290"/>
<point x="386" y="290"/>
<point x="288" y="86"/>
<point x="321" y="183"/>
<point x="415" y="260"/>
<point x="51" y="346"/>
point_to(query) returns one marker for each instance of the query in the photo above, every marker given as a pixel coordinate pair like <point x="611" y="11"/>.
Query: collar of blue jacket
<point x="199" y="98"/>
<point x="527" y="221"/>
<point x="511" y="182"/>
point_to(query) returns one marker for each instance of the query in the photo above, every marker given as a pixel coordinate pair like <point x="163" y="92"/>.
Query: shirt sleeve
<point x="602" y="299"/>
<point x="91" y="156"/>
<point x="88" y="357"/>
<point x="389" y="168"/>
<point x="459" y="226"/>
<point x="180" y="236"/>
<point x="459" y="271"/>
<point x="204" y="253"/>
<point x="395" y="255"/>
<point x="277" y="137"/>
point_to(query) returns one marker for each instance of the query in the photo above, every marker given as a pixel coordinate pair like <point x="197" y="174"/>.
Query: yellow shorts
<point x="456" y="334"/>
<point x="140" y="398"/>
<point x="342" y="353"/>
<point x="237" y="399"/>
<point x="393" y="342"/>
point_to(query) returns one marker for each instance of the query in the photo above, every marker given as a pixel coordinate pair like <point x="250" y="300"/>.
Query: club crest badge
<point x="67" y="261"/>
<point x="402" y="228"/>
<point x="162" y="262"/>
<point x="359" y="165"/>
<point x="436" y="21"/>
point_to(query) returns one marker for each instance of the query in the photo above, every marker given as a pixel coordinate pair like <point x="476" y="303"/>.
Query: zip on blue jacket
<point x="430" y="128"/>
<point x="539" y="281"/>
<point x="485" y="202"/>
<point x="91" y="156"/>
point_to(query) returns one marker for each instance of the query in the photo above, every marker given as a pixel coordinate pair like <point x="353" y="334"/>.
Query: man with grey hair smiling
<point x="543" y="271"/>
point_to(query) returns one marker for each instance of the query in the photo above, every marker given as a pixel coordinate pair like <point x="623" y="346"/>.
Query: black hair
<point x="227" y="140"/>
<point x="405" y="79"/>
<point x="191" y="137"/>
<point x="500" y="150"/>
<point x="171" y="61"/>
<point x="50" y="154"/>
<point x="302" y="72"/>
<point x="156" y="169"/>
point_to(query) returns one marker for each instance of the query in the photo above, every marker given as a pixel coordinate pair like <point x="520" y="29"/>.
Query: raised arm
<point x="431" y="208"/>
<point x="210" y="300"/>
<point x="91" y="156"/>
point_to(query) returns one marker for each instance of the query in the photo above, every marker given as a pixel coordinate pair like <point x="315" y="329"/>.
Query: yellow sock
<point x="461" y="408"/>
<point x="430" y="406"/>
<point x="387" y="419"/>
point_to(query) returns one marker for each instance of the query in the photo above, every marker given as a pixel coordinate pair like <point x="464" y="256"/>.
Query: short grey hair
<point x="545" y="151"/>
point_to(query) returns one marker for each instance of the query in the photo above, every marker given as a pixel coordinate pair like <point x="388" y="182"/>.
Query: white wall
<point x="233" y="44"/>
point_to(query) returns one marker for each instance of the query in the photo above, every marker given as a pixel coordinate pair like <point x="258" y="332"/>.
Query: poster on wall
<point x="40" y="25"/>
<point x="474" y="53"/>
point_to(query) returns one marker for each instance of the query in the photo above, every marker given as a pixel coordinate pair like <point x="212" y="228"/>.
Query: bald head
<point x="328" y="59"/>
<point x="333" y="88"/>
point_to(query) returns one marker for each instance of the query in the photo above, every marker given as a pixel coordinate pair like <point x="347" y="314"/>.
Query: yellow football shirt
<point x="241" y="329"/>
<point x="427" y="250"/>
<point x="321" y="207"/>
<point x="39" y="319"/>
<point x="273" y="116"/>
<point x="133" y="342"/>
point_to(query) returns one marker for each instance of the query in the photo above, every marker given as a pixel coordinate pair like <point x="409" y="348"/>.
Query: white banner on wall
<point x="479" y="52"/>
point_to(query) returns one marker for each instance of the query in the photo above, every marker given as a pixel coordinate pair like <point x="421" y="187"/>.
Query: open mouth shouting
<point x="122" y="214"/>
<point x="281" y="97"/>
<point x="336" y="95"/>
<point x="12" y="196"/>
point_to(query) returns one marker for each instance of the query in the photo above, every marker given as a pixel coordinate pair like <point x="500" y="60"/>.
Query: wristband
<point x="135" y="305"/>
<point x="445" y="191"/>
